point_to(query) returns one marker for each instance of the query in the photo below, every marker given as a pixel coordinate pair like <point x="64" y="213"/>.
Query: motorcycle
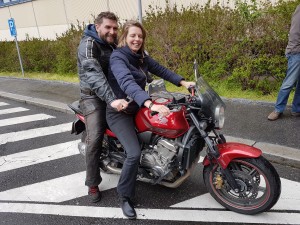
<point x="236" y="175"/>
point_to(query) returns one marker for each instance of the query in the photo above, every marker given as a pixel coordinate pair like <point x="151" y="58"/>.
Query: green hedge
<point x="243" y="46"/>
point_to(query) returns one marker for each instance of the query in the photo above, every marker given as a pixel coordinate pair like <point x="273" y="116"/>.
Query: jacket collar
<point x="135" y="59"/>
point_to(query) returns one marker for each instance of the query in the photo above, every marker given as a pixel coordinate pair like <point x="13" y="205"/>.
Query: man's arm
<point x="94" y="76"/>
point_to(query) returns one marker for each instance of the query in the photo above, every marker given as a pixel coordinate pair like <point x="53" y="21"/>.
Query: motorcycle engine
<point x="157" y="160"/>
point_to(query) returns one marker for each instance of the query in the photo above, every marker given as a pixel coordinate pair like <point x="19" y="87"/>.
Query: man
<point x="293" y="71"/>
<point x="95" y="48"/>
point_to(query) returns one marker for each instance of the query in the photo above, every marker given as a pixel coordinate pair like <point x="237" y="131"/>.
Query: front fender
<point x="231" y="150"/>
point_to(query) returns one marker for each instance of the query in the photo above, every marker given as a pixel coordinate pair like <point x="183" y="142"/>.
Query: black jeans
<point x="124" y="128"/>
<point x="94" y="111"/>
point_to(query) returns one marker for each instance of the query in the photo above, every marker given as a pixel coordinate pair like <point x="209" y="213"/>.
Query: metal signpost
<point x="140" y="11"/>
<point x="13" y="33"/>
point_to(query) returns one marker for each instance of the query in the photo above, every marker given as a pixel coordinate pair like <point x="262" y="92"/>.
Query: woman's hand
<point x="161" y="109"/>
<point x="187" y="84"/>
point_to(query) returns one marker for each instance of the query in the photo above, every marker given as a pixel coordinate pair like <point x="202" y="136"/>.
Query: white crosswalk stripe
<point x="35" y="156"/>
<point x="56" y="190"/>
<point x="34" y="133"/>
<point x="3" y="103"/>
<point x="24" y="119"/>
<point x="153" y="214"/>
<point x="12" y="110"/>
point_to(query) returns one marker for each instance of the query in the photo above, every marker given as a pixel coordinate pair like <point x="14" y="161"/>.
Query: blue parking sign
<point x="12" y="27"/>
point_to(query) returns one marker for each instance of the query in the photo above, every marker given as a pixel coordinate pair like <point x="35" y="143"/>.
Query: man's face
<point x="107" y="30"/>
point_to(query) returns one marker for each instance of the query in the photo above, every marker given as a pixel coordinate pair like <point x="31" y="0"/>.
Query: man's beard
<point x="110" y="39"/>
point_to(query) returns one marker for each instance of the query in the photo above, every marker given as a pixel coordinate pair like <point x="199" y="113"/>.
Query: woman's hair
<point x="125" y="29"/>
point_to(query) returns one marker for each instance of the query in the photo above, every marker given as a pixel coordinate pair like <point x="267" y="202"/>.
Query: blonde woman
<point x="127" y="76"/>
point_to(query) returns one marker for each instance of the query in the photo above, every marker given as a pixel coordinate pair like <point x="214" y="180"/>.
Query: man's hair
<point x="106" y="15"/>
<point x="125" y="30"/>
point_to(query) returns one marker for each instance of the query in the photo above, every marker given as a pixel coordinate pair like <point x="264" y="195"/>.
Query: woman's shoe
<point x="128" y="209"/>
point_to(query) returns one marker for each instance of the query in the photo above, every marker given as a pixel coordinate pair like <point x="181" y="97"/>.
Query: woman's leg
<point x="124" y="128"/>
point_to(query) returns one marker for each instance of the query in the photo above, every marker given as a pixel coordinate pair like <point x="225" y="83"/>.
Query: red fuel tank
<point x="171" y="126"/>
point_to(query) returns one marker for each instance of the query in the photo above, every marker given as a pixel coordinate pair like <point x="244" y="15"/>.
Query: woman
<point x="129" y="66"/>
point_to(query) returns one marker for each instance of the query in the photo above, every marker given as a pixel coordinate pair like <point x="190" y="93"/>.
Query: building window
<point x="4" y="3"/>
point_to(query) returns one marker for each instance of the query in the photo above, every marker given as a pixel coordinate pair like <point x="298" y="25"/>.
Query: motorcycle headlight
<point x="219" y="116"/>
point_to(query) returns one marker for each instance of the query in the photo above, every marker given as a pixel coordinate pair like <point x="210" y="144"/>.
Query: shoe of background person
<point x="296" y="114"/>
<point x="128" y="209"/>
<point x="274" y="115"/>
<point x="94" y="194"/>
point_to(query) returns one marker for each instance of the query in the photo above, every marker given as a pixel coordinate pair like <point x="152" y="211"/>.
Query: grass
<point x="224" y="91"/>
<point x="221" y="89"/>
<point x="73" y="78"/>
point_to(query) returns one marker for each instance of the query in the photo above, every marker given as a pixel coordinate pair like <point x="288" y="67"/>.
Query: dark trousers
<point x="124" y="128"/>
<point x="94" y="111"/>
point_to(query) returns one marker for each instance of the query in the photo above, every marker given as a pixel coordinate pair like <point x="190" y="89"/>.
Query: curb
<point x="275" y="153"/>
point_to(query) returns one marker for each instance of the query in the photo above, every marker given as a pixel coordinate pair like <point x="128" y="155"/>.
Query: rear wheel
<point x="258" y="180"/>
<point x="104" y="154"/>
<point x="104" y="160"/>
<point x="83" y="136"/>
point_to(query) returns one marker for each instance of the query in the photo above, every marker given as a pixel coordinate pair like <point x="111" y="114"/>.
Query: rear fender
<point x="231" y="150"/>
<point x="78" y="126"/>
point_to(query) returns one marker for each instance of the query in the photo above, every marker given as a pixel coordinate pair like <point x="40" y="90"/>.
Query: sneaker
<point x="296" y="114"/>
<point x="274" y="115"/>
<point x="95" y="194"/>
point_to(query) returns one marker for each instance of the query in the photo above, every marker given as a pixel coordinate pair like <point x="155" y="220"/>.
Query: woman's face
<point x="134" y="38"/>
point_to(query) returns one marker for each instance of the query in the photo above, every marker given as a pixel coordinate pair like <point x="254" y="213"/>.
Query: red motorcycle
<point x="235" y="174"/>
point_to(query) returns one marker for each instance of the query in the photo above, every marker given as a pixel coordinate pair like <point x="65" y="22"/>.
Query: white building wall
<point x="48" y="18"/>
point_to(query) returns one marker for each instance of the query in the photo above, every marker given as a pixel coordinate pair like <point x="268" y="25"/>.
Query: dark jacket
<point x="93" y="62"/>
<point x="127" y="74"/>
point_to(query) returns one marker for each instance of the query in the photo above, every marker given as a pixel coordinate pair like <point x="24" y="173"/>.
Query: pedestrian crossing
<point x="67" y="187"/>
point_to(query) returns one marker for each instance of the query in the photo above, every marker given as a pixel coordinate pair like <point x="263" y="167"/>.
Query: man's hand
<point x="119" y="104"/>
<point x="161" y="109"/>
<point x="187" y="84"/>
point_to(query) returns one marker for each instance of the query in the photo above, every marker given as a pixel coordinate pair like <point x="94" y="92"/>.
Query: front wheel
<point x="258" y="181"/>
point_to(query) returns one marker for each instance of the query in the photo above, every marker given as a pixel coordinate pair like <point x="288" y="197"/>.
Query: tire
<point x="104" y="156"/>
<point x="260" y="185"/>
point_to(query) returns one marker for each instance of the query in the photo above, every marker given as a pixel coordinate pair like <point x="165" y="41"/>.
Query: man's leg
<point x="296" y="100"/>
<point x="94" y="111"/>
<point x="288" y="83"/>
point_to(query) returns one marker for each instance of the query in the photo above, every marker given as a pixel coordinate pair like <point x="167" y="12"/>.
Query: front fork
<point x="213" y="152"/>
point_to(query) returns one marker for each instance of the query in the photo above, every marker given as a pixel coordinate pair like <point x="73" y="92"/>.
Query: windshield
<point x="209" y="99"/>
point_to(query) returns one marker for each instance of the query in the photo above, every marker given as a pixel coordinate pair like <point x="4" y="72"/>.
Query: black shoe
<point x="127" y="208"/>
<point x="95" y="194"/>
